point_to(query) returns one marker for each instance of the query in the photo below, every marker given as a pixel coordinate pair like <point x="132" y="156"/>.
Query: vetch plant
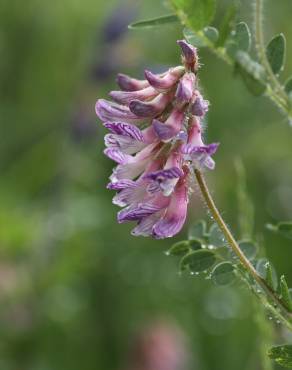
<point x="156" y="128"/>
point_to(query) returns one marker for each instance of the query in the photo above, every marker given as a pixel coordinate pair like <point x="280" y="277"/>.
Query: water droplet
<point x="192" y="273"/>
<point x="167" y="253"/>
<point x="197" y="273"/>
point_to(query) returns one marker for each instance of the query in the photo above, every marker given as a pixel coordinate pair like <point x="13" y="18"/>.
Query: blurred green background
<point x="77" y="291"/>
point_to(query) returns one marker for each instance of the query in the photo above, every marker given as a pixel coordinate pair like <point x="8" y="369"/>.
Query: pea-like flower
<point x="156" y="139"/>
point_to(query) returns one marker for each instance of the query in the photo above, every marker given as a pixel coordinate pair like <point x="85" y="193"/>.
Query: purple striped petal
<point x="125" y="129"/>
<point x="162" y="175"/>
<point x="125" y="97"/>
<point x="209" y="149"/>
<point x="108" y="111"/>
<point x="130" y="196"/>
<point x="165" y="82"/>
<point x="124" y="143"/>
<point x="118" y="156"/>
<point x="164" y="180"/>
<point x="137" y="213"/>
<point x="128" y="83"/>
<point x="122" y="184"/>
<point x="152" y="108"/>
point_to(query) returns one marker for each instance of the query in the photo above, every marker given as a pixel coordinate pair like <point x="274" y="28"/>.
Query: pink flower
<point x="155" y="163"/>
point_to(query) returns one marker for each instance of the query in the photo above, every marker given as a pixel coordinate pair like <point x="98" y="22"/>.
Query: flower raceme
<point x="156" y="139"/>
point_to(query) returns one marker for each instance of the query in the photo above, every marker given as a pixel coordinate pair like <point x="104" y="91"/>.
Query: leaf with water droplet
<point x="198" y="261"/>
<point x="275" y="52"/>
<point x="285" y="294"/>
<point x="179" y="249"/>
<point x="281" y="354"/>
<point x="216" y="237"/>
<point x="240" y="40"/>
<point x="223" y="273"/>
<point x="197" y="230"/>
<point x="266" y="270"/>
<point x="249" y="248"/>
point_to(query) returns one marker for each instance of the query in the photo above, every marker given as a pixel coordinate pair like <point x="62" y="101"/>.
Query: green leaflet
<point x="195" y="14"/>
<point x="198" y="261"/>
<point x="223" y="273"/>
<point x="275" y="52"/>
<point x="154" y="22"/>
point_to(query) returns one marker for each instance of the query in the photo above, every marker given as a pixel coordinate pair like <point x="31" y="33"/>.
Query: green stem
<point x="283" y="311"/>
<point x="259" y="37"/>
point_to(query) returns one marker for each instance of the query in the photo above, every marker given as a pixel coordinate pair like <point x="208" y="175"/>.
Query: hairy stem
<point x="260" y="45"/>
<point x="282" y="312"/>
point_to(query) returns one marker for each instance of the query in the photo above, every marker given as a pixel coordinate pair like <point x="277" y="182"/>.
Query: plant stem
<point x="283" y="312"/>
<point x="259" y="37"/>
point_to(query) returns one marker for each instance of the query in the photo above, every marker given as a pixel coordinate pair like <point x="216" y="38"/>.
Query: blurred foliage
<point x="74" y="285"/>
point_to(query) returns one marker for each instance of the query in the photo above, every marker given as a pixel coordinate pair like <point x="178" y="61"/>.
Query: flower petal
<point x="171" y="127"/>
<point x="125" y="97"/>
<point x="185" y="89"/>
<point x="118" y="156"/>
<point x="189" y="53"/>
<point x="108" y="111"/>
<point x="128" y="83"/>
<point x="165" y="82"/>
<point x="151" y="108"/>
<point x="200" y="107"/>
<point x="124" y="143"/>
<point x="174" y="218"/>
<point x="125" y="129"/>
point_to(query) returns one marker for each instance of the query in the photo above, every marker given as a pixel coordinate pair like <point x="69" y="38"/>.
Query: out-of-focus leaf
<point x="267" y="271"/>
<point x="155" y="22"/>
<point x="198" y="261"/>
<point x="194" y="38"/>
<point x="285" y="294"/>
<point x="198" y="39"/>
<point x="282" y="355"/>
<point x="275" y="52"/>
<point x="211" y="33"/>
<point x="223" y="273"/>
<point x="249" y="248"/>
<point x="283" y="228"/>
<point x="197" y="230"/>
<point x="227" y="24"/>
<point x="251" y="72"/>
<point x="195" y="14"/>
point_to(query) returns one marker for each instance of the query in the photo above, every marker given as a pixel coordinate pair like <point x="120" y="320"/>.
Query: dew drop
<point x="167" y="253"/>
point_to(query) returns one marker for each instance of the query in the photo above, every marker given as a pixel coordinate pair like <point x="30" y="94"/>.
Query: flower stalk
<point x="282" y="312"/>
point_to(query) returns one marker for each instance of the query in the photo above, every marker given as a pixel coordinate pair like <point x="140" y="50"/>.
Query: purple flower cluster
<point x="156" y="139"/>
